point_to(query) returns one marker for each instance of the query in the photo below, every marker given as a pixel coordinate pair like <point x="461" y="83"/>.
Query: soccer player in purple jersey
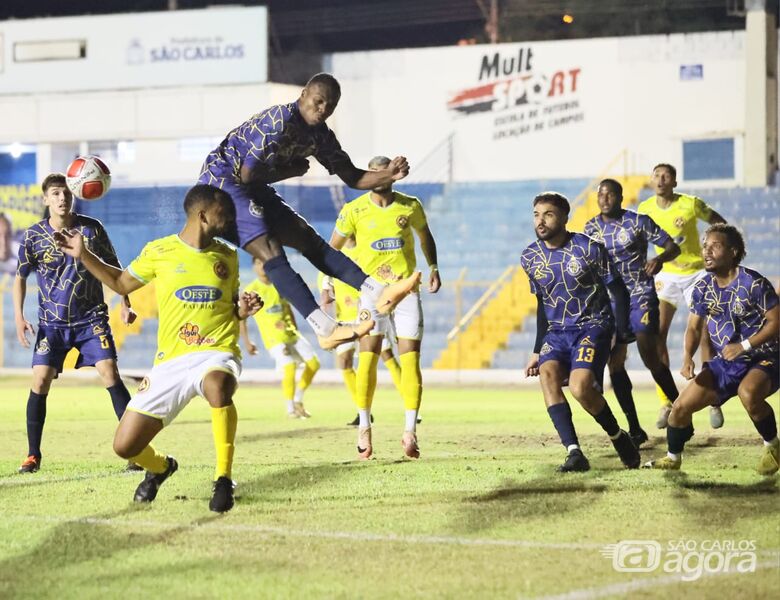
<point x="626" y="235"/>
<point x="740" y="309"/>
<point x="570" y="274"/>
<point x="273" y="146"/>
<point x="71" y="310"/>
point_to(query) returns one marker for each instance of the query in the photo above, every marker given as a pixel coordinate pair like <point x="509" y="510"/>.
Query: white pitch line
<point x="640" y="584"/>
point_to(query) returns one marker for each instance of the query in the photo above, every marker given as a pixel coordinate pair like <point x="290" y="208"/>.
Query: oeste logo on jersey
<point x="388" y="244"/>
<point x="199" y="293"/>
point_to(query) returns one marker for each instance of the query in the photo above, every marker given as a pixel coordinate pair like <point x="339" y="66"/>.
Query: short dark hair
<point x="733" y="238"/>
<point x="666" y="166"/>
<point x="53" y="179"/>
<point x="327" y="80"/>
<point x="614" y="185"/>
<point x="201" y="194"/>
<point x="554" y="198"/>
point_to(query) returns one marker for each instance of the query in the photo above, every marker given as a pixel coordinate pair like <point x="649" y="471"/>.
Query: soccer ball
<point x="88" y="178"/>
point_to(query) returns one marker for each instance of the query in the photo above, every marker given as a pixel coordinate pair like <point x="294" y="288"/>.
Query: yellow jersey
<point x="196" y="295"/>
<point x="385" y="242"/>
<point x="274" y="320"/>
<point x="346" y="296"/>
<point x="679" y="221"/>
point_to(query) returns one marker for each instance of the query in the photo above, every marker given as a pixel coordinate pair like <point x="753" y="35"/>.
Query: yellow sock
<point x="349" y="381"/>
<point x="288" y="381"/>
<point x="365" y="383"/>
<point x="411" y="380"/>
<point x="223" y="425"/>
<point x="395" y="372"/>
<point x="309" y="370"/>
<point x="151" y="460"/>
<point x="662" y="398"/>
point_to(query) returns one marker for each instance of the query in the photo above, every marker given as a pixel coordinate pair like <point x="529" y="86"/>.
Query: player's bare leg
<point x="551" y="376"/>
<point x="219" y="388"/>
<point x="753" y="391"/>
<point x="42" y="377"/>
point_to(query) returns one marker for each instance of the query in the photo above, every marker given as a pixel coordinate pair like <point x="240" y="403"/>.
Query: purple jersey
<point x="626" y="239"/>
<point x="274" y="137"/>
<point x="737" y="311"/>
<point x="571" y="281"/>
<point x="68" y="294"/>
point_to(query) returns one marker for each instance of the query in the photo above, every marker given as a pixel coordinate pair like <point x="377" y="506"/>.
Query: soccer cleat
<point x="638" y="437"/>
<point x="626" y="450"/>
<point x="364" y="448"/>
<point x="301" y="411"/>
<point x="148" y="488"/>
<point x="575" y="463"/>
<point x="356" y="421"/>
<point x="131" y="467"/>
<point x="663" y="416"/>
<point x="409" y="442"/>
<point x="716" y="417"/>
<point x="665" y="464"/>
<point x="31" y="464"/>
<point x="345" y="332"/>
<point x="393" y="294"/>
<point x="222" y="496"/>
<point x="770" y="459"/>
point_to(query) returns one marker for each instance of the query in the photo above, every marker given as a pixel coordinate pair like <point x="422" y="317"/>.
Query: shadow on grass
<point x="284" y="435"/>
<point x="293" y="480"/>
<point x="69" y="544"/>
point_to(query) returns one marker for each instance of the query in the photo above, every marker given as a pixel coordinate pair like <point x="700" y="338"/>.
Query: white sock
<point x="290" y="406"/>
<point x="571" y="447"/>
<point x="674" y="457"/>
<point x="322" y="324"/>
<point x="411" y="420"/>
<point x="298" y="398"/>
<point x="773" y="442"/>
<point x="365" y="417"/>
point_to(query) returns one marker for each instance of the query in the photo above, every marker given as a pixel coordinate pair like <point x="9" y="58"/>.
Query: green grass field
<point x="481" y="514"/>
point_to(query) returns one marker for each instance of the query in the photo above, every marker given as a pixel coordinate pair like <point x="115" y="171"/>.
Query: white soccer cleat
<point x="409" y="443"/>
<point x="716" y="417"/>
<point x="364" y="447"/>
<point x="663" y="416"/>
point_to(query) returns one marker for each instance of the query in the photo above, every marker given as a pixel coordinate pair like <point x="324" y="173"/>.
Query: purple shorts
<point x="93" y="341"/>
<point x="585" y="349"/>
<point x="728" y="374"/>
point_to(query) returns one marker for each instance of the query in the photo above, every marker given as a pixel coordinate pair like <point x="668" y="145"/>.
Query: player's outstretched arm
<point x="72" y="244"/>
<point x="262" y="174"/>
<point x="715" y="217"/>
<point x="655" y="264"/>
<point x="366" y="180"/>
<point x="22" y="324"/>
<point x="693" y="332"/>
<point x="250" y="346"/>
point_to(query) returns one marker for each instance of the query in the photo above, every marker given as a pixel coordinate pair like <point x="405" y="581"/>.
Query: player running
<point x="626" y="235"/>
<point x="71" y="310"/>
<point x="284" y="343"/>
<point x="272" y="146"/>
<point x="740" y="309"/>
<point x="570" y="274"/>
<point x="382" y="222"/>
<point x="196" y="282"/>
<point x="677" y="214"/>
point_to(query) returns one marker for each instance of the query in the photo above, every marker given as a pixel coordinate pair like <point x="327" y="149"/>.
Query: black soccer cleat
<point x="356" y="421"/>
<point x="575" y="463"/>
<point x="626" y="450"/>
<point x="148" y="488"/>
<point x="222" y="497"/>
<point x="638" y="437"/>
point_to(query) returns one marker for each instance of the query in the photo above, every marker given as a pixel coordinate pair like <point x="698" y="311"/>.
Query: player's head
<point x="211" y="208"/>
<point x="319" y="98"/>
<point x="723" y="247"/>
<point x="610" y="197"/>
<point x="377" y="164"/>
<point x="56" y="195"/>
<point x="551" y="213"/>
<point x="259" y="269"/>
<point x="664" y="179"/>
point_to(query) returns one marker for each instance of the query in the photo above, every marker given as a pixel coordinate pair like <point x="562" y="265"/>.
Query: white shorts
<point x="170" y="385"/>
<point x="406" y="319"/>
<point x="298" y="352"/>
<point x="676" y="289"/>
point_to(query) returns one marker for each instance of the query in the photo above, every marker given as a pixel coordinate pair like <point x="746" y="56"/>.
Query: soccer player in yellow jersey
<point x="199" y="308"/>
<point x="381" y="222"/>
<point x="284" y="343"/>
<point x="677" y="215"/>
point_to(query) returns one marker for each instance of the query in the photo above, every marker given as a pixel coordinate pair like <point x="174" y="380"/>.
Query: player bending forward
<point x="197" y="339"/>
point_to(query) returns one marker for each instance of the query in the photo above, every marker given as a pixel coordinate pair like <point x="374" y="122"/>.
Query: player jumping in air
<point x="570" y="274"/>
<point x="382" y="222"/>
<point x="677" y="214"/>
<point x="272" y="146"/>
<point x="71" y="310"/>
<point x="740" y="310"/>
<point x="196" y="281"/>
<point x="626" y="235"/>
<point x="284" y="343"/>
